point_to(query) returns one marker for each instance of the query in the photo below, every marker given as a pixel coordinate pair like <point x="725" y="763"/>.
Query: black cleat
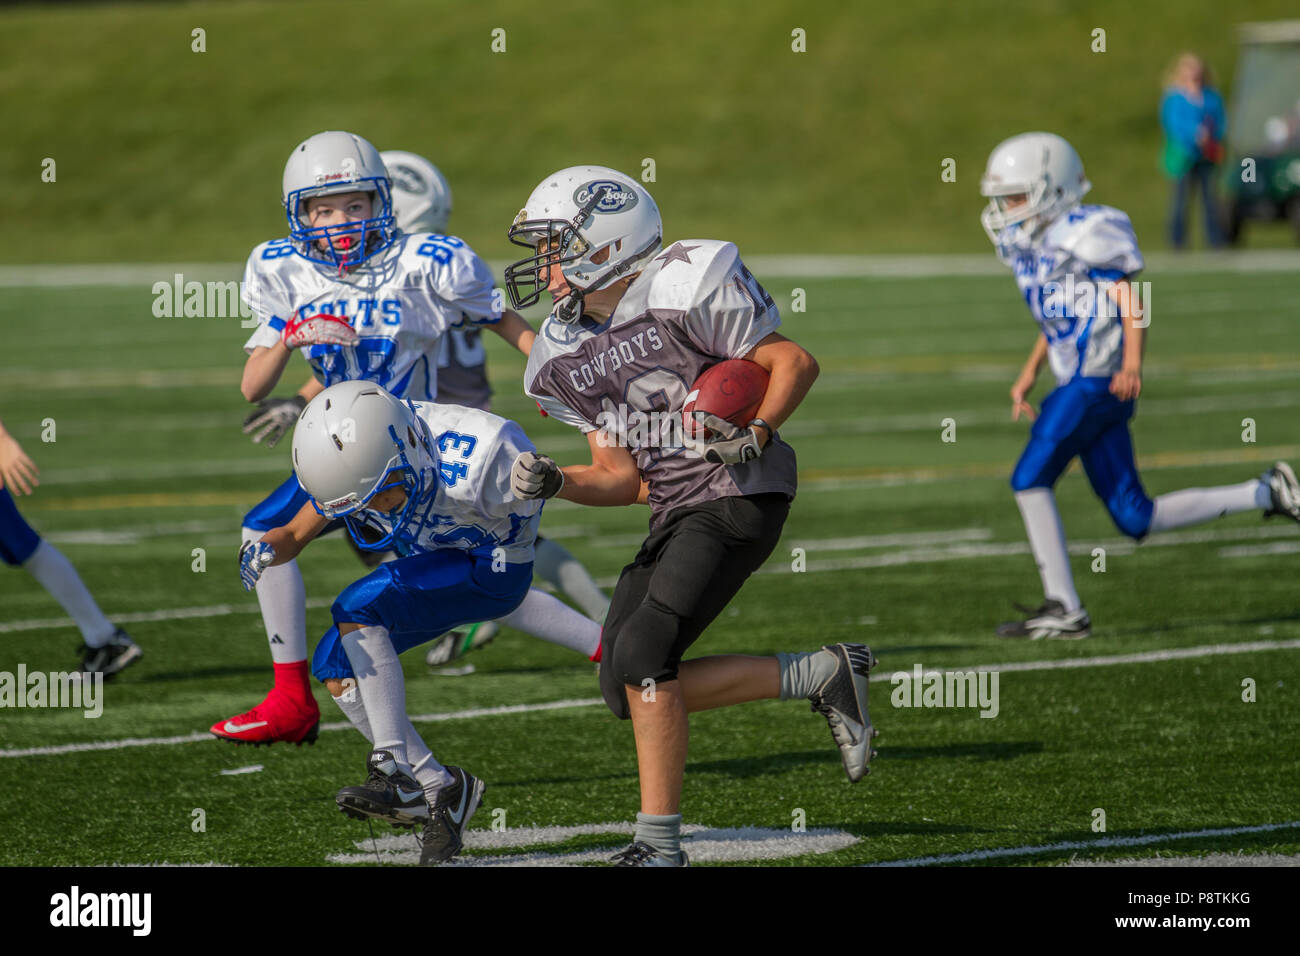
<point x="643" y="854"/>
<point x="389" y="794"/>
<point x="1049" y="620"/>
<point x="444" y="830"/>
<point x="842" y="700"/>
<point x="119" y="653"/>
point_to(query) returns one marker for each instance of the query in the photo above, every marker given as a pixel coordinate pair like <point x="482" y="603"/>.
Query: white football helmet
<point x="354" y="440"/>
<point x="602" y="226"/>
<point x="421" y="196"/>
<point x="1041" y="166"/>
<point x="330" y="163"/>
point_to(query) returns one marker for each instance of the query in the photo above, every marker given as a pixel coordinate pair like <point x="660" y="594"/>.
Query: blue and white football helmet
<point x="327" y="164"/>
<point x="355" y="440"/>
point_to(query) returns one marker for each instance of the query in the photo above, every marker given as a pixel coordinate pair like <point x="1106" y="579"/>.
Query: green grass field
<point x="911" y="544"/>
<point x="167" y="154"/>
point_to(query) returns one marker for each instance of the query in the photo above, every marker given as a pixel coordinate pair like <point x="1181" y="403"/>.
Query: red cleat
<point x="275" y="718"/>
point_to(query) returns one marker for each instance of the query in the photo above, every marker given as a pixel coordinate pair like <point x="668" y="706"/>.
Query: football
<point x="732" y="390"/>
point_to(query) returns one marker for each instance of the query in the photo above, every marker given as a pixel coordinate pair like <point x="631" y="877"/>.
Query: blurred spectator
<point x="1194" y="123"/>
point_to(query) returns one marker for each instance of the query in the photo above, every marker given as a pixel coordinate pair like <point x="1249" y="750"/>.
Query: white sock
<point x="424" y="766"/>
<point x="1047" y="541"/>
<point x="546" y="616"/>
<point x="381" y="687"/>
<point x="554" y="564"/>
<point x="283" y="598"/>
<point x="1178" y="509"/>
<point x="57" y="575"/>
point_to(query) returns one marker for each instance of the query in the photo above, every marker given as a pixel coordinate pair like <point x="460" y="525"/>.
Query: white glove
<point x="272" y="418"/>
<point x="254" y="558"/>
<point x="729" y="445"/>
<point x="318" y="330"/>
<point x="535" y="476"/>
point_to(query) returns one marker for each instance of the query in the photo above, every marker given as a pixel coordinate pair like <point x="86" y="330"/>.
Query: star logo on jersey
<point x="677" y="252"/>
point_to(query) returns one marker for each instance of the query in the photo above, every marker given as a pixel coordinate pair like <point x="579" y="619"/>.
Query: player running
<point x="431" y="482"/>
<point x="362" y="301"/>
<point x="632" y="328"/>
<point x="106" y="648"/>
<point x="1073" y="264"/>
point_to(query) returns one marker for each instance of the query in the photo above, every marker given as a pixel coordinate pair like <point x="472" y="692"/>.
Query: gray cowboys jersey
<point x="462" y="370"/>
<point x="692" y="306"/>
<point x="1063" y="278"/>
<point x="400" y="303"/>
<point x="471" y="506"/>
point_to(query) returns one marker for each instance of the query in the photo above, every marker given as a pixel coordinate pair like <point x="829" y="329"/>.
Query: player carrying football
<point x="632" y="329"/>
<point x="361" y="301"/>
<point x="1073" y="264"/>
<point x="432" y="483"/>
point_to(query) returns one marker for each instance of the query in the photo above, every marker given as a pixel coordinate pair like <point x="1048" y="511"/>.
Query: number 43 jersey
<point x="470" y="505"/>
<point x="400" y="303"/>
<point x="694" y="305"/>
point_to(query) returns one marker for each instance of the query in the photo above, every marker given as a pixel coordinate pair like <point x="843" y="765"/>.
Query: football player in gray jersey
<point x="633" y="326"/>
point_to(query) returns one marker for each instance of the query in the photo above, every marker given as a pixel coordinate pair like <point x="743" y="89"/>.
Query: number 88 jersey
<point x="400" y="303"/>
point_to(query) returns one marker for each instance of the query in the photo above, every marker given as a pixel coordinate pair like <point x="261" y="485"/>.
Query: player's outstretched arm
<point x="611" y="479"/>
<point x="791" y="370"/>
<point x="515" y="330"/>
<point x="18" y="473"/>
<point x="280" y="545"/>
<point x="263" y="370"/>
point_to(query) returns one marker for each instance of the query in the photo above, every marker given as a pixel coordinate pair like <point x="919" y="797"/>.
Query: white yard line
<point x="1183" y="653"/>
<point x="1099" y="844"/>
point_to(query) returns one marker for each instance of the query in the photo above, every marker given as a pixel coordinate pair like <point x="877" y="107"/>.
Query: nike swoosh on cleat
<point x="408" y="795"/>
<point x="459" y="815"/>
<point x="231" y="727"/>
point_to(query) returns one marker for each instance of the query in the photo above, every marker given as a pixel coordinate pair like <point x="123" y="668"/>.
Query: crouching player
<point x="432" y="483"/>
<point x="630" y="333"/>
<point x="1073" y="263"/>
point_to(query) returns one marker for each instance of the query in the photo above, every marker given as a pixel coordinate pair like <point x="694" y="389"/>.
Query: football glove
<point x="254" y="558"/>
<point x="272" y="418"/>
<point x="730" y="444"/>
<point x="318" y="330"/>
<point x="535" y="476"/>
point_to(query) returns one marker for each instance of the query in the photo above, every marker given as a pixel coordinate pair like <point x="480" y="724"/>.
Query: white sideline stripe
<point x="332" y="726"/>
<point x="1101" y="843"/>
<point x="1182" y="653"/>
<point x="1257" y="550"/>
<point x="809" y="266"/>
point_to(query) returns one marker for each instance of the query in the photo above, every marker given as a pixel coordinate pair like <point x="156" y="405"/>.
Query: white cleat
<point x="1285" y="491"/>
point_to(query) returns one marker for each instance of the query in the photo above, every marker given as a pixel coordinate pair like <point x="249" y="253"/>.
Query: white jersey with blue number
<point x="472" y="506"/>
<point x="1063" y="277"/>
<point x="400" y="303"/>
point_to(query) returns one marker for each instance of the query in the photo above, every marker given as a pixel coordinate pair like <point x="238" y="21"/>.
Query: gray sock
<point x="802" y="674"/>
<point x="664" y="833"/>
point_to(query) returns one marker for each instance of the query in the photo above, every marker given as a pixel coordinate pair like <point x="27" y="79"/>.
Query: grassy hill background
<point x="167" y="154"/>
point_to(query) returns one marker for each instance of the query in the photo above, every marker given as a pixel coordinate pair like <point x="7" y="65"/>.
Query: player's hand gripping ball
<point x="719" y="408"/>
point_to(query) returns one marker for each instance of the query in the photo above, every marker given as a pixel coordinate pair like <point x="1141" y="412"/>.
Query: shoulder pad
<point x="688" y="271"/>
<point x="1101" y="237"/>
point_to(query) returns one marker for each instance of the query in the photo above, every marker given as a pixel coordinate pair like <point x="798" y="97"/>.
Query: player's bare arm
<point x="1126" y="384"/>
<point x="263" y="370"/>
<point x="290" y="540"/>
<point x="611" y="479"/>
<point x="18" y="473"/>
<point x="1024" y="383"/>
<point x="518" y="333"/>
<point x="792" y="371"/>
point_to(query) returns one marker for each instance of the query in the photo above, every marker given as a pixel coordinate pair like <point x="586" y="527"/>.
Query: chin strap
<point x="570" y="309"/>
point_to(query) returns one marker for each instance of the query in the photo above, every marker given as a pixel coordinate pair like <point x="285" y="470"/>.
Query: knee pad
<point x="1131" y="514"/>
<point x="643" y="648"/>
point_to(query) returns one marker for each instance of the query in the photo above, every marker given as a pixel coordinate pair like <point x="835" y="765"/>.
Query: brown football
<point x="732" y="390"/>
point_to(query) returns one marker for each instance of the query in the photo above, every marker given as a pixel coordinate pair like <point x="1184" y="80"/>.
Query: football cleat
<point x="1049" y="620"/>
<point x="119" y="653"/>
<point x="389" y="794"/>
<point x="444" y="830"/>
<point x="643" y="854"/>
<point x="842" y="700"/>
<point x="275" y="718"/>
<point x="1285" y="491"/>
<point x="460" y="641"/>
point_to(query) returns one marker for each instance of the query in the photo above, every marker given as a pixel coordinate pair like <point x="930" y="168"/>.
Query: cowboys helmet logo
<point x="617" y="198"/>
<point x="408" y="180"/>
